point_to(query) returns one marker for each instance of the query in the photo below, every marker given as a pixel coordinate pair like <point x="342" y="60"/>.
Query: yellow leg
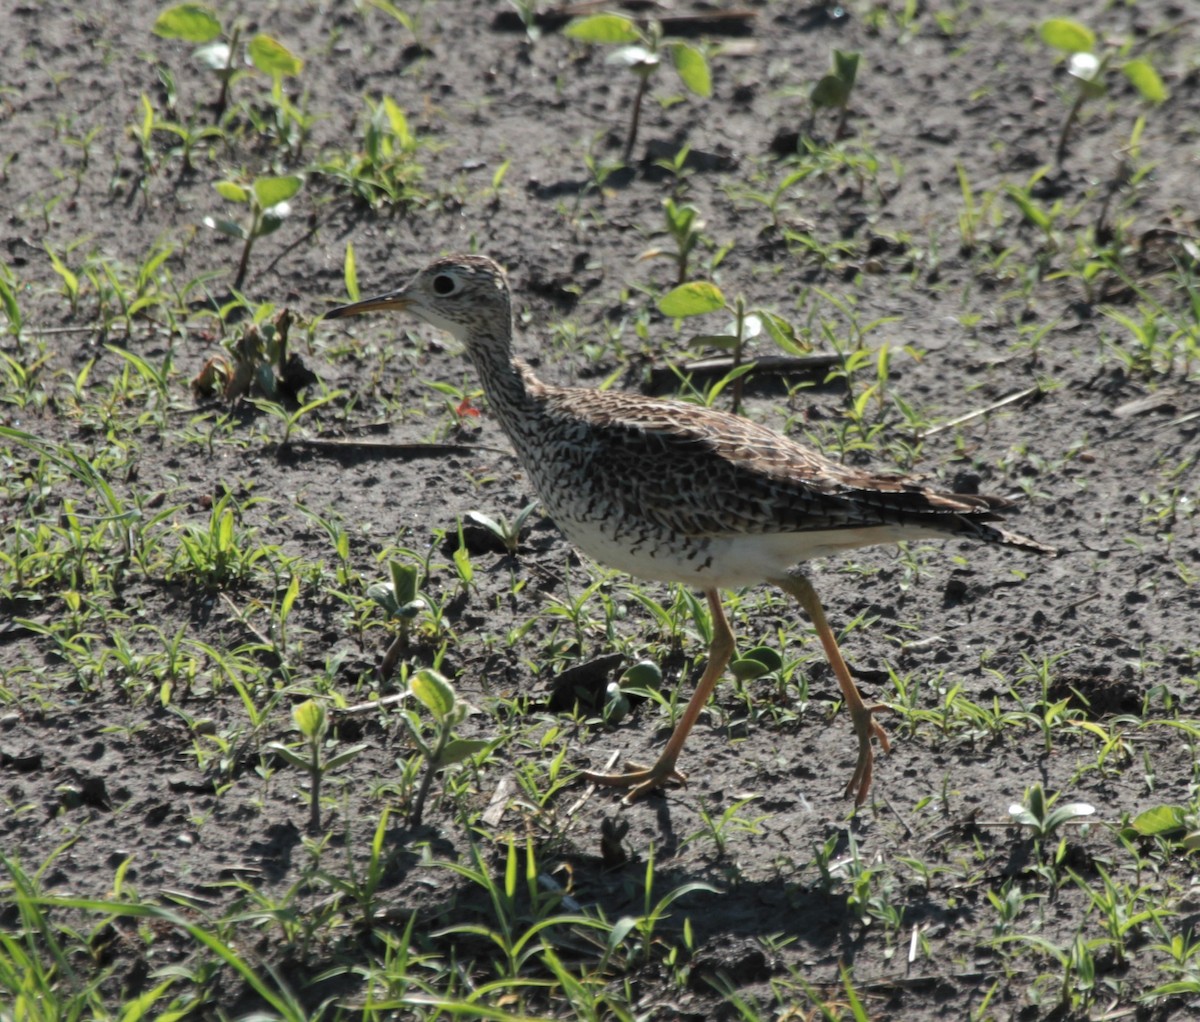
<point x="640" y="780"/>
<point x="861" y="715"/>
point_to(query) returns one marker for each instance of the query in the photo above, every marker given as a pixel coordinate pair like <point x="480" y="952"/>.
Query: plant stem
<point x="631" y="139"/>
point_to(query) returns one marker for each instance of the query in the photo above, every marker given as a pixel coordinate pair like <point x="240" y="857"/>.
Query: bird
<point x="674" y="492"/>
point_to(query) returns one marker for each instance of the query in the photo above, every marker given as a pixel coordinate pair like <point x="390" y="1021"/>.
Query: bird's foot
<point x="866" y="727"/>
<point x="640" y="780"/>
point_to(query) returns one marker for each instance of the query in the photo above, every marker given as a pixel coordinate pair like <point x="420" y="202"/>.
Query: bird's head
<point x="466" y="295"/>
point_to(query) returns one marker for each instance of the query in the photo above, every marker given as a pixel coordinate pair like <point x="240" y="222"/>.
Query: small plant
<point x="257" y="362"/>
<point x="445" y="749"/>
<point x="267" y="198"/>
<point x="1036" y="812"/>
<point x="313" y="754"/>
<point x="220" y="52"/>
<point x="683" y="227"/>
<point x="833" y="91"/>
<point x="508" y="533"/>
<point x="1089" y="64"/>
<point x="642" y="50"/>
<point x="699" y="297"/>
<point x="401" y="603"/>
<point x="385" y="173"/>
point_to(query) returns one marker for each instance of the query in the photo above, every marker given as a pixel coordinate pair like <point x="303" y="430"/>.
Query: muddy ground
<point x="1100" y="453"/>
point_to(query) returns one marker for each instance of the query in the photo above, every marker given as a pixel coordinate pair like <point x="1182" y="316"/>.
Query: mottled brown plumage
<point x="680" y="493"/>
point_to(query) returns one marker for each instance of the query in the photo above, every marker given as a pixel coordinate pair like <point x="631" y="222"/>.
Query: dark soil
<point x="1101" y="459"/>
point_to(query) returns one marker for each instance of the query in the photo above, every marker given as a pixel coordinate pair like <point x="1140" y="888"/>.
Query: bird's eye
<point x="443" y="284"/>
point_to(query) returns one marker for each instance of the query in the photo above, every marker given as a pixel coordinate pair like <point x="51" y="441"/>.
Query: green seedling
<point x="508" y="533"/>
<point x="312" y="753"/>
<point x="683" y="227"/>
<point x="8" y="301"/>
<point x="642" y="51"/>
<point x="256" y="362"/>
<point x="1176" y="824"/>
<point x="1036" y="812"/>
<point x="697" y="298"/>
<point x="756" y="663"/>
<point x="267" y="198"/>
<point x="220" y="52"/>
<point x="399" y="598"/>
<point x="644" y="678"/>
<point x="385" y="172"/>
<point x="445" y="749"/>
<point x="401" y="603"/>
<point x="1089" y="63"/>
<point x="833" y="91"/>
<point x="720" y="828"/>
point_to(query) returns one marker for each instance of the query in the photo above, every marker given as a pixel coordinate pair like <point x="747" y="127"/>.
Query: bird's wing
<point x="706" y="472"/>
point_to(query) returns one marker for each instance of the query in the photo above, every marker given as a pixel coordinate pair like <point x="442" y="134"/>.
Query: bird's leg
<point x="861" y="715"/>
<point x="640" y="780"/>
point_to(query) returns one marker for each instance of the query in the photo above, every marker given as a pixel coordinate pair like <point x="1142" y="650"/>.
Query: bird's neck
<point x="511" y="387"/>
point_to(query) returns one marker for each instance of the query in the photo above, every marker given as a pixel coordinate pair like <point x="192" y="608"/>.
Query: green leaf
<point x="458" y="749"/>
<point x="1066" y="35"/>
<point x="830" y="93"/>
<point x="383" y="594"/>
<point x="783" y="333"/>
<point x="193" y="23"/>
<point x="434" y="691"/>
<point x="11" y="309"/>
<point x="344" y="756"/>
<point x="69" y="279"/>
<point x="289" y="598"/>
<point x="603" y="28"/>
<point x="404" y="581"/>
<point x="271" y="57"/>
<point x="845" y="66"/>
<point x="234" y="230"/>
<point x="269" y="224"/>
<point x="747" y="669"/>
<point x="692" y="68"/>
<point x="691" y="299"/>
<point x="1033" y="213"/>
<point x="310" y="718"/>
<point x="1145" y="79"/>
<point x="726" y="342"/>
<point x="292" y="757"/>
<point x="1159" y="820"/>
<point x="232" y="191"/>
<point x="643" y="674"/>
<point x="271" y="191"/>
<point x="766" y="655"/>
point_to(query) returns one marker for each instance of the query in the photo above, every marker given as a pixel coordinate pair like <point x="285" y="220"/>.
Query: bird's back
<point x="680" y="492"/>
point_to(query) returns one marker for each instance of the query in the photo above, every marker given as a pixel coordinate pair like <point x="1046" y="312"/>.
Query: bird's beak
<point x="390" y="300"/>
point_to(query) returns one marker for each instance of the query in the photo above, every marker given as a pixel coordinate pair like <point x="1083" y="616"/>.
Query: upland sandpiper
<point x="676" y="492"/>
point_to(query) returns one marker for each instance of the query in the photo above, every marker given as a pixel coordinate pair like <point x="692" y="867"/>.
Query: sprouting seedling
<point x="257" y="361"/>
<point x="401" y="602"/>
<point x="313" y="753"/>
<point x="437" y="695"/>
<point x="833" y="91"/>
<point x="1041" y="815"/>
<point x="684" y="228"/>
<point x="642" y="50"/>
<point x="220" y="52"/>
<point x="1088" y="64"/>
<point x="12" y="309"/>
<point x="267" y="198"/>
<point x="699" y="297"/>
<point x="508" y="533"/>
